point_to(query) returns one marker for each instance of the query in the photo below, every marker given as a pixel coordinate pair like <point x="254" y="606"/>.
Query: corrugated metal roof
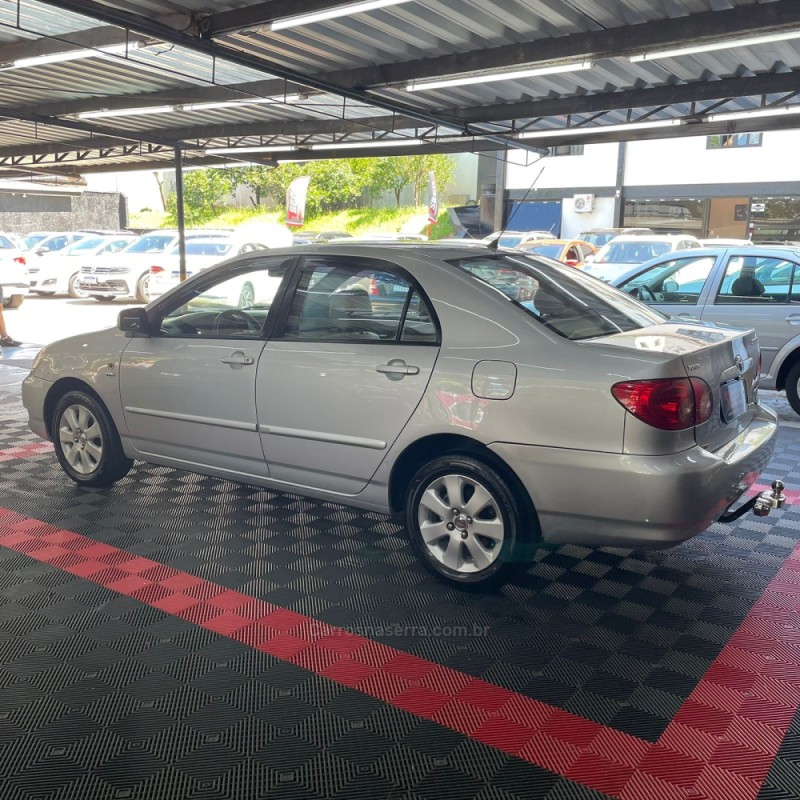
<point x="355" y="52"/>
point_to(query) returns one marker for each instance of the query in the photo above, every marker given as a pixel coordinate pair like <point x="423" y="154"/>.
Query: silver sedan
<point x="494" y="400"/>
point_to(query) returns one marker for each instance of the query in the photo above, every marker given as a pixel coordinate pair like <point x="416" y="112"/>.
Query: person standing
<point x="5" y="339"/>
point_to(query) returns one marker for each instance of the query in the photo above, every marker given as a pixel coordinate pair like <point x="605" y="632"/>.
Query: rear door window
<point x="561" y="298"/>
<point x="756" y="279"/>
<point x="679" y="280"/>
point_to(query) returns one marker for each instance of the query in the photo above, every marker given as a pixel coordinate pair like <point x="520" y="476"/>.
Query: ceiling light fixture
<point x="74" y="55"/>
<point x="733" y="116"/>
<point x="627" y="126"/>
<point x="126" y="112"/>
<point x="368" y="144"/>
<point x="210" y="106"/>
<point x="345" y="10"/>
<point x="234" y="151"/>
<point x="488" y="77"/>
<point x="723" y="44"/>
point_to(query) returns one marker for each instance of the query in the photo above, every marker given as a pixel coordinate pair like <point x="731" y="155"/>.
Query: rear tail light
<point x="156" y="270"/>
<point x="20" y="260"/>
<point x="373" y="287"/>
<point x="757" y="378"/>
<point x="571" y="262"/>
<point x="670" y="404"/>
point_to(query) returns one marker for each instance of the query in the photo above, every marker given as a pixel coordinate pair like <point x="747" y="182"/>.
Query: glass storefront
<point x="762" y="219"/>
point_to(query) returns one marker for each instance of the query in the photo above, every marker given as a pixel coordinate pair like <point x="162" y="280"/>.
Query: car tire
<point x="14" y="301"/>
<point x="86" y="441"/>
<point x="247" y="296"/>
<point x="142" y="286"/>
<point x="73" y="290"/>
<point x="480" y="546"/>
<point x="103" y="298"/>
<point x="793" y="387"/>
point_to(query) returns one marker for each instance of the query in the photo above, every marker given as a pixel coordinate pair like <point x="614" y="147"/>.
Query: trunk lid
<point x="725" y="358"/>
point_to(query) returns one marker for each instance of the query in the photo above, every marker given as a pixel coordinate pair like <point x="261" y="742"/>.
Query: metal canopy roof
<point x="144" y="76"/>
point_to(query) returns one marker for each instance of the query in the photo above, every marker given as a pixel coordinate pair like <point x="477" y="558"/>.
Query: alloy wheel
<point x="81" y="439"/>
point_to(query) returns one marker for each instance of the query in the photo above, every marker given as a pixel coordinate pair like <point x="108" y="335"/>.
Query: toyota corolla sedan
<point x="592" y="418"/>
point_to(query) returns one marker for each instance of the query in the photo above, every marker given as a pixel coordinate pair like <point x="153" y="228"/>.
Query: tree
<point x="395" y="173"/>
<point x="203" y="193"/>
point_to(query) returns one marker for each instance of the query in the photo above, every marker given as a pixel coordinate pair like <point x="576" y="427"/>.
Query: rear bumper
<point x="618" y="500"/>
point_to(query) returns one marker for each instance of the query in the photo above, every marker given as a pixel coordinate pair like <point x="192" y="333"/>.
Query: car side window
<point x="356" y="300"/>
<point x="679" y="280"/>
<point x="755" y="280"/>
<point x="232" y="304"/>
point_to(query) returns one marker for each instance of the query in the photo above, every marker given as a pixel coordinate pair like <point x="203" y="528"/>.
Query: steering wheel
<point x="236" y="317"/>
<point x="644" y="293"/>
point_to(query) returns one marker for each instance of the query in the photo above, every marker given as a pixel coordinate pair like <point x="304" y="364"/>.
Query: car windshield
<point x="85" y="244"/>
<point x="155" y="243"/>
<point x="631" y="252"/>
<point x="597" y="239"/>
<point x="33" y="239"/>
<point x="565" y="300"/>
<point x="551" y="250"/>
<point x="203" y="249"/>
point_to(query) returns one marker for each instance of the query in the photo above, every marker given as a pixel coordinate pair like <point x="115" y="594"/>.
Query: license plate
<point x="89" y="279"/>
<point x="734" y="399"/>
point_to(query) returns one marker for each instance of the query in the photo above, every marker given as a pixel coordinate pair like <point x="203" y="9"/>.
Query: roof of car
<point x="651" y="237"/>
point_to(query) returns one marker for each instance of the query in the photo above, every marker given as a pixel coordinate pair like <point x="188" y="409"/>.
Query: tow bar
<point x="760" y="505"/>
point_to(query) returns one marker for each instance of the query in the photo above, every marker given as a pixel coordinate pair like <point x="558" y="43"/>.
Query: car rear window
<point x="565" y="300"/>
<point x="150" y="244"/>
<point x="551" y="250"/>
<point x="6" y="244"/>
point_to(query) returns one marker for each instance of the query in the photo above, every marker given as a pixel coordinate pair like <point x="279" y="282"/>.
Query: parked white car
<point x="622" y="253"/>
<point x="60" y="271"/>
<point x="200" y="254"/>
<point x="13" y="272"/>
<point x="127" y="273"/>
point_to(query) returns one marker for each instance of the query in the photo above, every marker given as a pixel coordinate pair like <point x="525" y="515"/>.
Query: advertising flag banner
<point x="296" y="201"/>
<point x="433" y="203"/>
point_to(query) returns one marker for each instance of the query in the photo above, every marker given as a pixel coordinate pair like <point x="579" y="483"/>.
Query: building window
<point x="724" y="141"/>
<point x="567" y="150"/>
<point x="666" y="215"/>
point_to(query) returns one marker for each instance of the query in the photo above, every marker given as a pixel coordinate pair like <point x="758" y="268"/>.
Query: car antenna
<point x="495" y="243"/>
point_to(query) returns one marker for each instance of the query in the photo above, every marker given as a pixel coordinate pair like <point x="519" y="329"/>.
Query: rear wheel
<point x="464" y="522"/>
<point x="86" y="441"/>
<point x="74" y="290"/>
<point x="793" y="387"/>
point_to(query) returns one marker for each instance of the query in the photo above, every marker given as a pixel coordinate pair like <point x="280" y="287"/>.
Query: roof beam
<point x="754" y="86"/>
<point x="260" y="14"/>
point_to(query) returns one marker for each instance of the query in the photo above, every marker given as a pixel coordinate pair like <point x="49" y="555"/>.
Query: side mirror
<point x="134" y="322"/>
<point x="42" y="250"/>
<point x="589" y="259"/>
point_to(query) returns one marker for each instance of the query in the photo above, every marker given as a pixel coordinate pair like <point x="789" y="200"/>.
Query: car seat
<point x="747" y="285"/>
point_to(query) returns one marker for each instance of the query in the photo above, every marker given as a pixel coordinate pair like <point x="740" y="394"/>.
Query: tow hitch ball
<point x="767" y="500"/>
<point x="761" y="505"/>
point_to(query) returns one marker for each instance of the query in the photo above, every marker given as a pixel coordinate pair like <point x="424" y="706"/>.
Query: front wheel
<point x="793" y="387"/>
<point x="74" y="289"/>
<point x="86" y="441"/>
<point x="464" y="522"/>
<point x="143" y="288"/>
<point x="15" y="301"/>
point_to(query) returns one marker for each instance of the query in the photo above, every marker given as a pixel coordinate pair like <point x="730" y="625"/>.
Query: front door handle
<point x="793" y="319"/>
<point x="396" y="369"/>
<point x="237" y="359"/>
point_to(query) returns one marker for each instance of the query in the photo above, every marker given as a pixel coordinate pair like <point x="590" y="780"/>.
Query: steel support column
<point x="181" y="218"/>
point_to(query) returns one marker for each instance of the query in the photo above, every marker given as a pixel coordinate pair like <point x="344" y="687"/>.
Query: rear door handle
<point x="396" y="369"/>
<point x="237" y="360"/>
<point x="793" y="319"/>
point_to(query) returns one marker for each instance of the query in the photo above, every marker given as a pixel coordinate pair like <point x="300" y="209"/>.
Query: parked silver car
<point x="750" y="286"/>
<point x="492" y="398"/>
